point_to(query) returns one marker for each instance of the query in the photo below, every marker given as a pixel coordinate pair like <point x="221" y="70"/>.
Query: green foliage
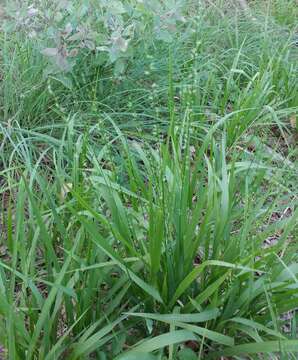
<point x="105" y="27"/>
<point x="148" y="178"/>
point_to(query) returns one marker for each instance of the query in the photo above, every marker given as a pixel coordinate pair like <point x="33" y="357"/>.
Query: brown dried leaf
<point x="73" y="52"/>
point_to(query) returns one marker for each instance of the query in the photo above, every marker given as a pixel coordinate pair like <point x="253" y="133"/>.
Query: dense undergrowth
<point x="149" y="192"/>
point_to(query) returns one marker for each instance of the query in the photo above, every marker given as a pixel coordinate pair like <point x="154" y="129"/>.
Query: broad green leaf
<point x="257" y="326"/>
<point x="161" y="341"/>
<point x="266" y="347"/>
<point x="137" y="356"/>
<point x="204" y="332"/>
<point x="186" y="318"/>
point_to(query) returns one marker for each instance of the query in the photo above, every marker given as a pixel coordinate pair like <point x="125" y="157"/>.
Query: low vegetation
<point x="148" y="175"/>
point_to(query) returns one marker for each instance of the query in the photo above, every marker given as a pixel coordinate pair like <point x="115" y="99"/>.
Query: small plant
<point x="148" y="176"/>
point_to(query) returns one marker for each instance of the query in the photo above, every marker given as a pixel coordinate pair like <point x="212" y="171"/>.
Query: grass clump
<point x="149" y="202"/>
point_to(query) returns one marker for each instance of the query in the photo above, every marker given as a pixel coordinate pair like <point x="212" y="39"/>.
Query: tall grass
<point x="152" y="216"/>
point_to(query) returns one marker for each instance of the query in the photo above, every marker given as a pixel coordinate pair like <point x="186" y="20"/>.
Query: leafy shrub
<point x="108" y="28"/>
